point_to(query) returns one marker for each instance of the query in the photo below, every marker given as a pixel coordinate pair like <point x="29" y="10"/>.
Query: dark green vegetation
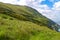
<point x="25" y="23"/>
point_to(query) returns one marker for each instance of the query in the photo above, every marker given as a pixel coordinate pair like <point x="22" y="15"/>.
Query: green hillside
<point x="25" y="23"/>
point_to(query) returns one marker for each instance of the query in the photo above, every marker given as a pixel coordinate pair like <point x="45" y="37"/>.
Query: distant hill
<point x="25" y="23"/>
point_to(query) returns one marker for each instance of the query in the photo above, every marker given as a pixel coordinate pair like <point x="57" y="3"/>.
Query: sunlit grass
<point x="24" y="23"/>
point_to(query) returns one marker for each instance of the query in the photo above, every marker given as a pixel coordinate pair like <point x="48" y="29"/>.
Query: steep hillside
<point x="25" y="23"/>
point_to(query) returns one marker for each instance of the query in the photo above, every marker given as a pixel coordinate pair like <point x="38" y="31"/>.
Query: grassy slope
<point x="24" y="23"/>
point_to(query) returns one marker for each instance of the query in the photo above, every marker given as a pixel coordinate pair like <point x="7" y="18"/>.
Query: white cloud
<point x="8" y="1"/>
<point x="18" y="2"/>
<point x="57" y="6"/>
<point x="56" y="11"/>
<point x="22" y="2"/>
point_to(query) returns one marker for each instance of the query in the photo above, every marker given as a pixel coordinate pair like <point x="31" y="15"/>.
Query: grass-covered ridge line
<point x="24" y="23"/>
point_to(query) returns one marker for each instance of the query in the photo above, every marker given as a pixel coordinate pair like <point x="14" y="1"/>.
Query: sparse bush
<point x="5" y="37"/>
<point x="4" y="17"/>
<point x="11" y="18"/>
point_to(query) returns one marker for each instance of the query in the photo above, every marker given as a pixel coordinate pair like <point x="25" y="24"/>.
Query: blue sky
<point x="49" y="3"/>
<point x="49" y="8"/>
